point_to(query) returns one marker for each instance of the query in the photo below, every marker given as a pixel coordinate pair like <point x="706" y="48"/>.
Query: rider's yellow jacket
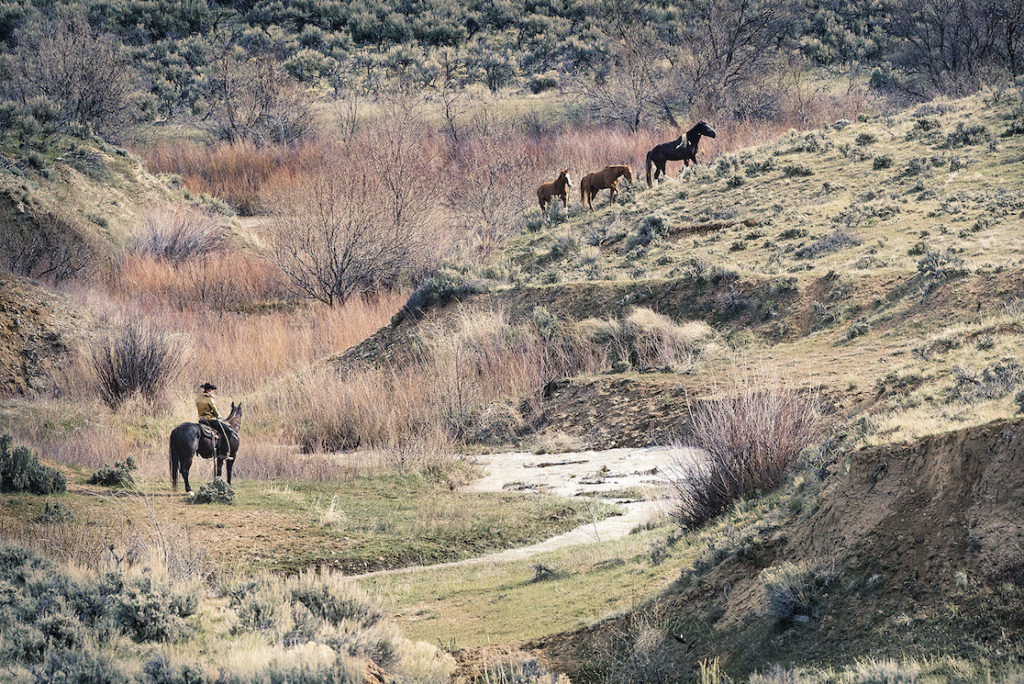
<point x="207" y="409"/>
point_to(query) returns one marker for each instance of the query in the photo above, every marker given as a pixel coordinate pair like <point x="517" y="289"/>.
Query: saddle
<point x="208" y="432"/>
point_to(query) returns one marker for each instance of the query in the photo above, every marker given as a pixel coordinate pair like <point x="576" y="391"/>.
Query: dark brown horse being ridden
<point x="556" y="188"/>
<point x="677" y="150"/>
<point x="605" y="179"/>
<point x="189" y="439"/>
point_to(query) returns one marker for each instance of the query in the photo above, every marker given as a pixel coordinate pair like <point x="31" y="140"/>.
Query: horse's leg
<point x="565" y="200"/>
<point x="230" y="464"/>
<point x="185" y="466"/>
<point x="217" y="462"/>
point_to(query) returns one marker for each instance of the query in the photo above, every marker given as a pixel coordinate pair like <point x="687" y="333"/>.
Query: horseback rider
<point x="210" y="416"/>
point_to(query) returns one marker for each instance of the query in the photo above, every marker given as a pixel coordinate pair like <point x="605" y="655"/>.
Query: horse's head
<point x="702" y="128"/>
<point x="565" y="174"/>
<point x="235" y="416"/>
<point x="628" y="173"/>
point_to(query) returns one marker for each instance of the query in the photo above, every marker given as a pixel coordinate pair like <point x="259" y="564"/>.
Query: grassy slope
<point x="897" y="377"/>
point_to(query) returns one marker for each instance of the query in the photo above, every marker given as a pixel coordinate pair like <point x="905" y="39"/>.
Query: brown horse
<point x="557" y="188"/>
<point x="606" y="179"/>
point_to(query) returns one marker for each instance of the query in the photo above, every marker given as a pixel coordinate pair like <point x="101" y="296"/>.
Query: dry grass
<point x="419" y="411"/>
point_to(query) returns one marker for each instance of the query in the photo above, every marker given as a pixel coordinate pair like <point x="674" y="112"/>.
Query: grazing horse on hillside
<point x="189" y="439"/>
<point x="556" y="188"/>
<point x="677" y="150"/>
<point x="605" y="179"/>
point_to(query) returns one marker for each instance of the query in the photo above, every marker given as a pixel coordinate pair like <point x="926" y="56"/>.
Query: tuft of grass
<point x="793" y="593"/>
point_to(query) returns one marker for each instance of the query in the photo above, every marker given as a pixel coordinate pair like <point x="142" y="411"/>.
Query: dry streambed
<point x="633" y="479"/>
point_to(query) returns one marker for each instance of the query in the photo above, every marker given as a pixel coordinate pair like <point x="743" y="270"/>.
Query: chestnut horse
<point x="605" y="179"/>
<point x="557" y="188"/>
<point x="677" y="150"/>
<point x="188" y="439"/>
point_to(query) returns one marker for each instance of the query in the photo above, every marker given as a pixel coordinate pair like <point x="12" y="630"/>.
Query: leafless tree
<point x="87" y="74"/>
<point x="955" y="45"/>
<point x="357" y="227"/>
<point x="43" y="245"/>
<point x="254" y="99"/>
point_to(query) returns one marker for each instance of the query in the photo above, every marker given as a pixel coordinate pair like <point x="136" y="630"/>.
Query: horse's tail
<point x="173" y="465"/>
<point x="648" y="165"/>
<point x="584" y="182"/>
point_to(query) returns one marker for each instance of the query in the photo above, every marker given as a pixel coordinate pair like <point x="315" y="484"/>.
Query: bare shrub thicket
<point x="748" y="435"/>
<point x="176" y="234"/>
<point x="365" y="220"/>
<point x="136" y="359"/>
<point x="254" y="100"/>
<point x="45" y="246"/>
<point x="86" y="74"/>
<point x="443" y="396"/>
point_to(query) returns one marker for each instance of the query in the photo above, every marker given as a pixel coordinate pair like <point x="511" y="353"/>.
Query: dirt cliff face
<point x="39" y="332"/>
<point x="950" y="501"/>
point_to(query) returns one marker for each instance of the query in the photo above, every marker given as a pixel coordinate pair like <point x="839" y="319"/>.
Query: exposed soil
<point x="39" y="331"/>
<point x="909" y="517"/>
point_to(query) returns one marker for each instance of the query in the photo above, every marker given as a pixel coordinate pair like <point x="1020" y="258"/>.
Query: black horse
<point x="677" y="150"/>
<point x="188" y="439"/>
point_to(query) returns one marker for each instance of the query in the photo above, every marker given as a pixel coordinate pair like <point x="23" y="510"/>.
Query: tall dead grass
<point x="419" y="412"/>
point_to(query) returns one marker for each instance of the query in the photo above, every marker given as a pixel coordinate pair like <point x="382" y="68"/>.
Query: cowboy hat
<point x="207" y="386"/>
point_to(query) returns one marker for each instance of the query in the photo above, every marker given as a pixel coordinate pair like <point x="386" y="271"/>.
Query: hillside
<point x="42" y="332"/>
<point x="876" y="264"/>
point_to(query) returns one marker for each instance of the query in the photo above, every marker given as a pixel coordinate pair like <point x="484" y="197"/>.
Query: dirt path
<point x="631" y="478"/>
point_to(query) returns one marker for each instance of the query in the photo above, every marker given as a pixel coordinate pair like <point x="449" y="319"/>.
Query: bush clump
<point x="747" y="442"/>
<point x="793" y="592"/>
<point x="136" y="359"/>
<point x="443" y="287"/>
<point x="21" y="471"/>
<point x="217" y="491"/>
<point x="54" y="513"/>
<point x="649" y="230"/>
<point x="797" y="171"/>
<point x="120" y="475"/>
<point x="883" y="161"/>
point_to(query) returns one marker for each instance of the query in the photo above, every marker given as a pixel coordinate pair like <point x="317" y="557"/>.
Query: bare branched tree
<point x="254" y="99"/>
<point x="44" y="245"/>
<point x="87" y="74"/>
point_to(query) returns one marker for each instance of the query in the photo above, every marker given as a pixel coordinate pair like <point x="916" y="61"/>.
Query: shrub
<point x="940" y="265"/>
<point x="857" y="328"/>
<point x="748" y="441"/>
<point x="793" y="592"/>
<point x="882" y="162"/>
<point x="441" y="288"/>
<point x="118" y="476"/>
<point x="649" y="230"/>
<point x="838" y="239"/>
<point x="735" y="181"/>
<point x="797" y="171"/>
<point x="176" y="235"/>
<point x="216" y="491"/>
<point x="864" y="139"/>
<point x="55" y="512"/>
<point x="965" y="136"/>
<point x="136" y="358"/>
<point x="21" y="471"/>
<point x="992" y="383"/>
